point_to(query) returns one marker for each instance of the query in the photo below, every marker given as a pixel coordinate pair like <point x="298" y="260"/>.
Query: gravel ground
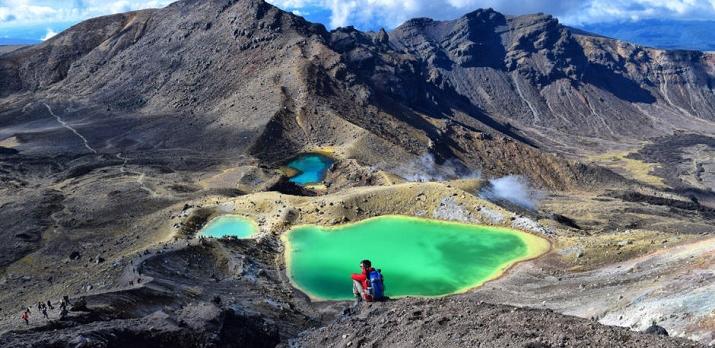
<point x="460" y="322"/>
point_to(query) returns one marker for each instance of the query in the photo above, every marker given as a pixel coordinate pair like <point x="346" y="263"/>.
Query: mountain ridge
<point x="527" y="78"/>
<point x="542" y="51"/>
<point x="176" y="63"/>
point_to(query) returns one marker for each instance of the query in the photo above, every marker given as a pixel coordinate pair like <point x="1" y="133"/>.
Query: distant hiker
<point x="25" y="316"/>
<point x="368" y="284"/>
<point x="63" y="313"/>
<point x="49" y="304"/>
<point x="44" y="312"/>
<point x="65" y="301"/>
<point x="655" y="329"/>
<point x="39" y="306"/>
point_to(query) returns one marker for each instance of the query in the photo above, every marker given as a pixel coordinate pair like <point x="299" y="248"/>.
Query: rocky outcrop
<point x="543" y="78"/>
<point x="199" y="325"/>
<point x="433" y="323"/>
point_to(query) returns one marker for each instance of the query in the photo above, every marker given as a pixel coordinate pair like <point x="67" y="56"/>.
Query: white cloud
<point x="22" y="10"/>
<point x="294" y="3"/>
<point x="596" y="11"/>
<point x="28" y="12"/>
<point x="49" y="35"/>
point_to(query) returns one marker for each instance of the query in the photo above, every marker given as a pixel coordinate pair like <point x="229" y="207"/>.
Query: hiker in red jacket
<point x="360" y="281"/>
<point x="25" y="316"/>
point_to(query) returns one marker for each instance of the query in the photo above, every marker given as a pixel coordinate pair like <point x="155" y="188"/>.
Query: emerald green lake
<point x="418" y="257"/>
<point x="229" y="226"/>
<point x="311" y="168"/>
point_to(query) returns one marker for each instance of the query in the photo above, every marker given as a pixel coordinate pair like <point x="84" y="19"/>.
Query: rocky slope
<point x="285" y="84"/>
<point x="559" y="87"/>
<point x="158" y="288"/>
<point x="430" y="323"/>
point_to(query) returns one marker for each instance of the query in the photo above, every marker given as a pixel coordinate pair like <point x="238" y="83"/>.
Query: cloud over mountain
<point x="390" y="13"/>
<point x="29" y="19"/>
<point x="24" y="12"/>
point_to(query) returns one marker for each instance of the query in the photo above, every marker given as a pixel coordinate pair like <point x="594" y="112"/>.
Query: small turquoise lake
<point x="230" y="226"/>
<point x="311" y="168"/>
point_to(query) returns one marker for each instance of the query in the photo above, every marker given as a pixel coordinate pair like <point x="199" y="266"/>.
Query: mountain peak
<point x="417" y="23"/>
<point x="484" y="13"/>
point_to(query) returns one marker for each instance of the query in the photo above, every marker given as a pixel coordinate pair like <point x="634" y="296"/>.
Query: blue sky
<point x="40" y="19"/>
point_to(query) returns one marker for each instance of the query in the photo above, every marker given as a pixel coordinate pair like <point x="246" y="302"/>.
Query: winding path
<point x="66" y="125"/>
<point x="141" y="175"/>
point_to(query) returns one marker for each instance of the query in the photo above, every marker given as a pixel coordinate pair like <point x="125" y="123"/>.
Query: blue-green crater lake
<point x="229" y="226"/>
<point x="311" y="168"/>
<point x="418" y="257"/>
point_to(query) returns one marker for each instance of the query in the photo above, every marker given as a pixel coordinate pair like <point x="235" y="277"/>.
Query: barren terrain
<point x="122" y="136"/>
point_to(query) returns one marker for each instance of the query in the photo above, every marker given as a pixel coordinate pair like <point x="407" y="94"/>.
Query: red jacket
<point x="362" y="277"/>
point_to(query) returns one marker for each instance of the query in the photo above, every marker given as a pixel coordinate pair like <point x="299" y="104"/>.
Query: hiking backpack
<point x="377" y="288"/>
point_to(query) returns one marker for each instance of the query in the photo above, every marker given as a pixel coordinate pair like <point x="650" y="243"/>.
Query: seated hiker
<point x="368" y="285"/>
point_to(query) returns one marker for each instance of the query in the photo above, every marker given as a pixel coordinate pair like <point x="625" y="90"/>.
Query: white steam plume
<point x="514" y="189"/>
<point x="426" y="169"/>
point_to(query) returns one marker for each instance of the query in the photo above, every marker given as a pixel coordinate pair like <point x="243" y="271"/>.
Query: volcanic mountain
<point x="117" y="127"/>
<point x="248" y="67"/>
